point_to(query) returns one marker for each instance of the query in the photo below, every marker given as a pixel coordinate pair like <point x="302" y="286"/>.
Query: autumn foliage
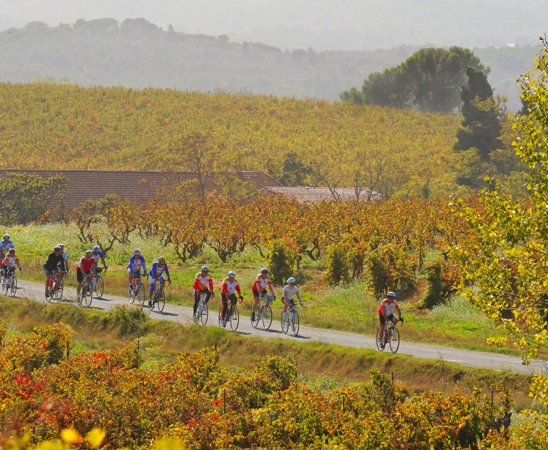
<point x="201" y="404"/>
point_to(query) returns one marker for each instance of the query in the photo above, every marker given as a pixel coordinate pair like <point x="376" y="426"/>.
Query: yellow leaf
<point x="71" y="436"/>
<point x="95" y="437"/>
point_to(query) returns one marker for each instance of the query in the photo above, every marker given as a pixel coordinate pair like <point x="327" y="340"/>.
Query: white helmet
<point x="291" y="280"/>
<point x="391" y="294"/>
<point x="231" y="274"/>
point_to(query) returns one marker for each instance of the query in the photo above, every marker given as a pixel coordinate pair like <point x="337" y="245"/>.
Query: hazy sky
<point x="321" y="24"/>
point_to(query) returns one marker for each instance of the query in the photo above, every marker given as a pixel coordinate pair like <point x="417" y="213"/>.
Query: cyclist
<point x="65" y="256"/>
<point x="290" y="290"/>
<point x="203" y="283"/>
<point x="156" y="273"/>
<point x="51" y="267"/>
<point x="136" y="263"/>
<point x="97" y="255"/>
<point x="386" y="313"/>
<point x="5" y="245"/>
<point x="86" y="267"/>
<point x="259" y="289"/>
<point x="230" y="285"/>
<point x="9" y="263"/>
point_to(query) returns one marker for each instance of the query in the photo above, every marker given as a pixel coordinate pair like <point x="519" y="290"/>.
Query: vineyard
<point x="68" y="127"/>
<point x="198" y="403"/>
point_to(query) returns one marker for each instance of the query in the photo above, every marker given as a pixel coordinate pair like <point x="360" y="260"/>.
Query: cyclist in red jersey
<point x="262" y="282"/>
<point x="386" y="312"/>
<point x="86" y="267"/>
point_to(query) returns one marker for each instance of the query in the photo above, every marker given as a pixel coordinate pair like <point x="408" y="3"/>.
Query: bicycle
<point x="136" y="290"/>
<point x="232" y="316"/>
<point x="391" y="337"/>
<point x="98" y="284"/>
<point x="202" y="311"/>
<point x="56" y="288"/>
<point x="291" y="320"/>
<point x="264" y="312"/>
<point x="87" y="291"/>
<point x="159" y="296"/>
<point x="9" y="282"/>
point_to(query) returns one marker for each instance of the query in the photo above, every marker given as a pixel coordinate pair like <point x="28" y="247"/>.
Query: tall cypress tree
<point x="481" y="127"/>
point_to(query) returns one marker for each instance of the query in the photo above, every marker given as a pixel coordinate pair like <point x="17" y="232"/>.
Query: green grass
<point x="345" y="308"/>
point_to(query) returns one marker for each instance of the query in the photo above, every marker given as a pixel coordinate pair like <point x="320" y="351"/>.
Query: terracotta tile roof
<point x="136" y="187"/>
<point x="305" y="194"/>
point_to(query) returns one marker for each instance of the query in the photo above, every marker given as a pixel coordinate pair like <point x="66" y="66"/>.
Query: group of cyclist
<point x="203" y="284"/>
<point x="137" y="263"/>
<point x="9" y="259"/>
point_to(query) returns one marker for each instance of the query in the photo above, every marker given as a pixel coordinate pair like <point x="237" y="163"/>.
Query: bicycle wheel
<point x="234" y="318"/>
<point x="130" y="294"/>
<point x="204" y="312"/>
<point x="285" y="322"/>
<point x="58" y="289"/>
<point x="295" y="323"/>
<point x="378" y="340"/>
<point x="99" y="287"/>
<point x="87" y="295"/>
<point x="160" y="300"/>
<point x="220" y="318"/>
<point x="395" y="340"/>
<point x="13" y="285"/>
<point x="258" y="313"/>
<point x="5" y="286"/>
<point x="266" y="316"/>
<point x="140" y="296"/>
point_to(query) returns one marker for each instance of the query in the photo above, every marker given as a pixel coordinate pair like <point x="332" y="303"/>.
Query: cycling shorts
<point x="383" y="320"/>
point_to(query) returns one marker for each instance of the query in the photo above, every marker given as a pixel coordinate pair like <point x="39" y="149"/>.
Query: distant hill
<point x="139" y="54"/>
<point x="320" y="24"/>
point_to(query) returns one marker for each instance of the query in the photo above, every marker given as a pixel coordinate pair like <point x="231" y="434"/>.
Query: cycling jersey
<point x="98" y="257"/>
<point x="229" y="287"/>
<point x="201" y="282"/>
<point x="261" y="283"/>
<point x="156" y="271"/>
<point x="136" y="264"/>
<point x="289" y="292"/>
<point x="85" y="264"/>
<point x="10" y="261"/>
<point x="55" y="260"/>
<point x="387" y="308"/>
<point x="5" y="246"/>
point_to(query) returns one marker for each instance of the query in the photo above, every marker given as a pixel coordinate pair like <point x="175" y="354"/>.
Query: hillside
<point x="138" y="54"/>
<point x="322" y="24"/>
<point x="69" y="127"/>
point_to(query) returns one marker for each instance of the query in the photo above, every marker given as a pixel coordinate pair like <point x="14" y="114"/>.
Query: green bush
<point x="337" y="264"/>
<point x="282" y="262"/>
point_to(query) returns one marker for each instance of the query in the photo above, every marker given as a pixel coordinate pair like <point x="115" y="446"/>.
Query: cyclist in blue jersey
<point x="97" y="255"/>
<point x="156" y="274"/>
<point x="5" y="245"/>
<point x="136" y="264"/>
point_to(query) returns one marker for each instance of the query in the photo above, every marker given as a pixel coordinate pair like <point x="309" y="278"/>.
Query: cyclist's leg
<point x="196" y="301"/>
<point x="224" y="304"/>
<point x="256" y="299"/>
<point x="79" y="279"/>
<point x="130" y="278"/>
<point x="208" y="296"/>
<point x="151" y="290"/>
<point x="382" y="325"/>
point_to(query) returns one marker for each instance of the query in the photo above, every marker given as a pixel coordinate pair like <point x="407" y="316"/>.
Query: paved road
<point x="35" y="291"/>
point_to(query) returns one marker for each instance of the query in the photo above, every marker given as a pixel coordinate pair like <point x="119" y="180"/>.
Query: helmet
<point x="391" y="294"/>
<point x="96" y="249"/>
<point x="264" y="271"/>
<point x="136" y="251"/>
<point x="60" y="245"/>
<point x="11" y="250"/>
<point x="291" y="280"/>
<point x="6" y="236"/>
<point x="88" y="252"/>
<point x="205" y="269"/>
<point x="161" y="260"/>
<point x="57" y="249"/>
<point x="231" y="274"/>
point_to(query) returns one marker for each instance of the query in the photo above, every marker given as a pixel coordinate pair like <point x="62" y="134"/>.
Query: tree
<point x="481" y="127"/>
<point x="429" y="80"/>
<point x="506" y="265"/>
<point x="26" y="198"/>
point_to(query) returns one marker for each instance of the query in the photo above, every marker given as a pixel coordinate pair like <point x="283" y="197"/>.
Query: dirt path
<point x="182" y="315"/>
